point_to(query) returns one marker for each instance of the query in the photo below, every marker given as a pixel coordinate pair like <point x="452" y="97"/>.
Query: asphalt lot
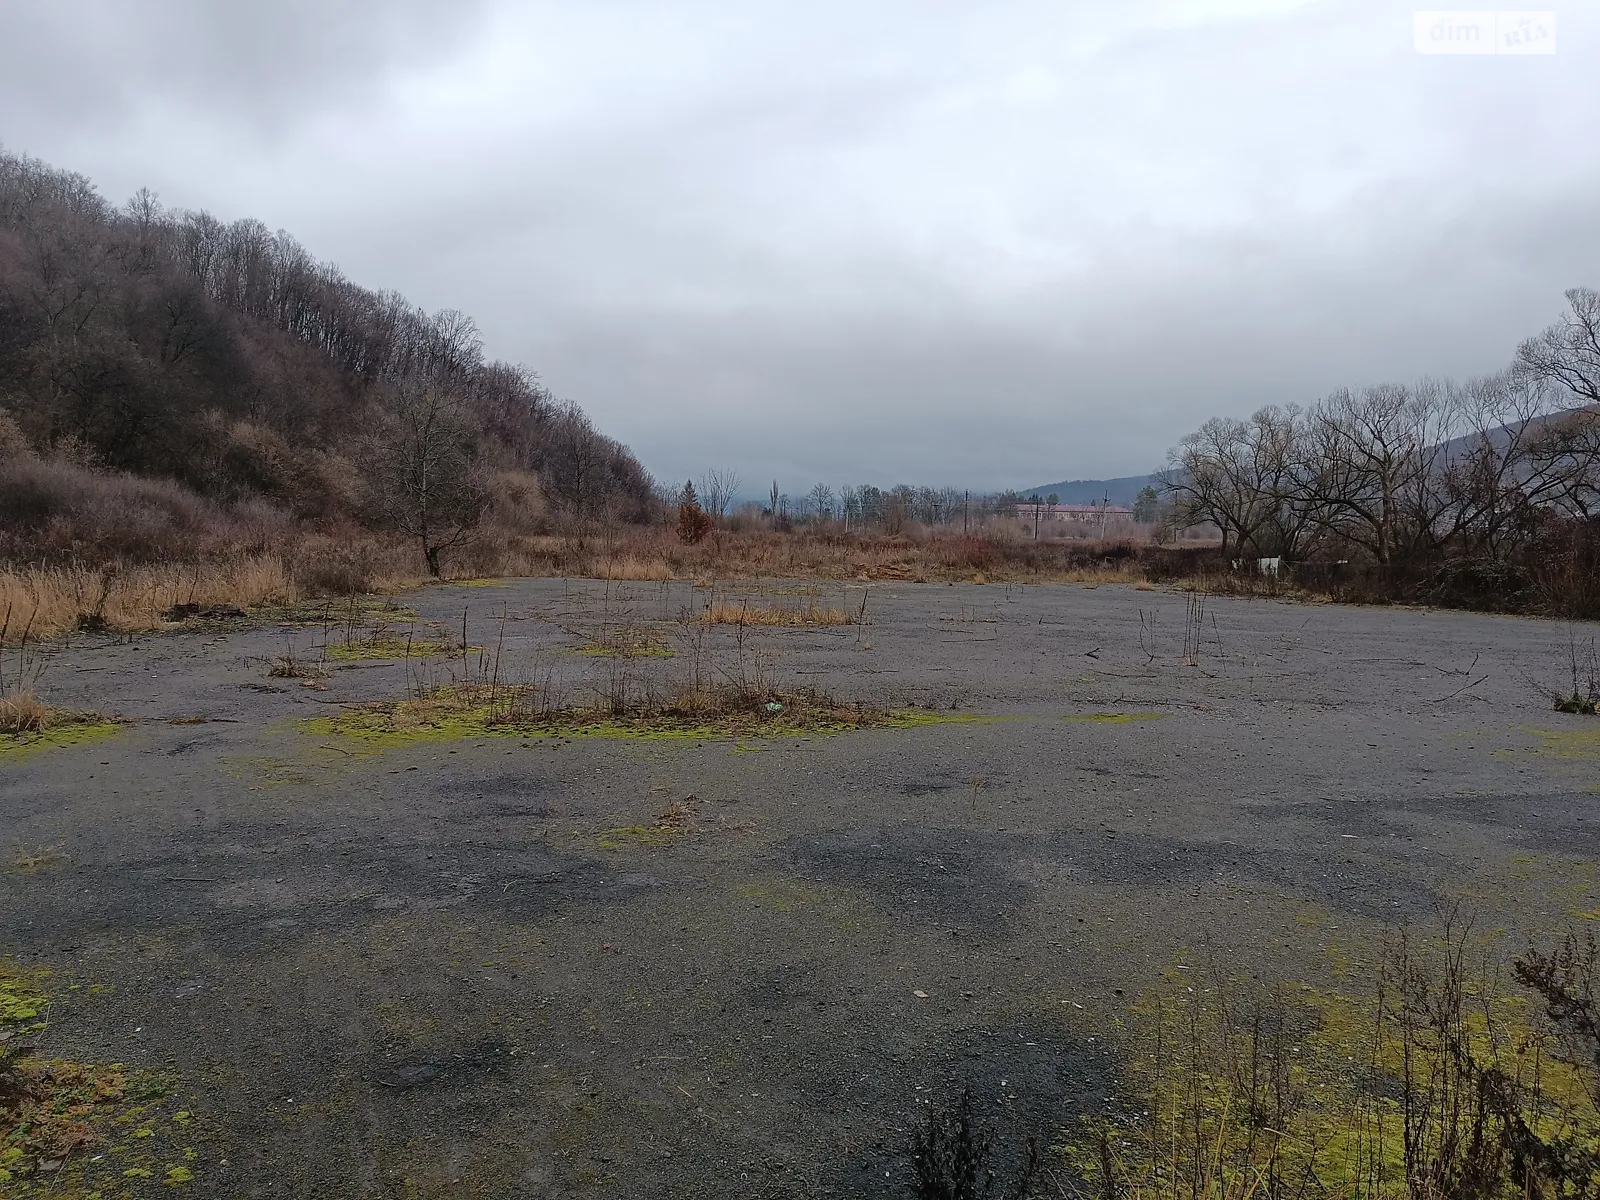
<point x="470" y="967"/>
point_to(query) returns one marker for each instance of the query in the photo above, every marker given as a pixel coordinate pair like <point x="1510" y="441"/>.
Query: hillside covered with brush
<point x="173" y="385"/>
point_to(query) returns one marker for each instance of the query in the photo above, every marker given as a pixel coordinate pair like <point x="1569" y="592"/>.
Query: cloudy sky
<point x="989" y="245"/>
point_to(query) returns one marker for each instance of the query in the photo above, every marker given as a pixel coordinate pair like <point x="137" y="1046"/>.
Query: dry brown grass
<point x="51" y="600"/>
<point x="655" y="553"/>
<point x="810" y="617"/>
<point x="636" y="569"/>
<point x="41" y="858"/>
<point x="54" y="600"/>
<point x="22" y="712"/>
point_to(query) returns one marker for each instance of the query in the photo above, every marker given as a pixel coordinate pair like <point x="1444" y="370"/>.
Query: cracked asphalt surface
<point x="439" y="971"/>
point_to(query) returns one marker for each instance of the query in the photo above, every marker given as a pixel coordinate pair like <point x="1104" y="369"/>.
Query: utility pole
<point x="966" y="511"/>
<point x="1105" y="512"/>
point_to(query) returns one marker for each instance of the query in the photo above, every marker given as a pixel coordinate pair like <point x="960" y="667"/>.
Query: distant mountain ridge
<point x="1119" y="492"/>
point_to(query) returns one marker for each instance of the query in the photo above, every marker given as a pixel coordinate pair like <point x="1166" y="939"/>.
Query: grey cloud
<point x="934" y="242"/>
<point x="267" y="62"/>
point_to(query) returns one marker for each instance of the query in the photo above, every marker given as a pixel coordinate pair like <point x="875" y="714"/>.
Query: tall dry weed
<point x="56" y="600"/>
<point x="22" y="712"/>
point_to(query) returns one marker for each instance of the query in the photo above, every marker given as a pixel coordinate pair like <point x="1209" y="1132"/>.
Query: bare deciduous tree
<point x="1372" y="467"/>
<point x="424" y="473"/>
<point x="1568" y="352"/>
<point x="1240" y="476"/>
<point x="718" y="487"/>
<point x="1406" y="477"/>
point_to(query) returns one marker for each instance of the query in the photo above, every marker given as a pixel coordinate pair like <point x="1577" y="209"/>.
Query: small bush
<point x="1482" y="584"/>
<point x="693" y="523"/>
<point x="22" y="712"/>
<point x="810" y="617"/>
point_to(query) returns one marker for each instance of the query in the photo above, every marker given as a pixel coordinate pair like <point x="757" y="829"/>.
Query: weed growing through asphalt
<point x="27" y="723"/>
<point x="384" y="643"/>
<point x="1438" y="1080"/>
<point x="724" y="692"/>
<point x="55" y="1112"/>
<point x="675" y="821"/>
<point x="466" y="710"/>
<point x="291" y="664"/>
<point x="1583" y="696"/>
<point x="813" y="616"/>
<point x="39" y="858"/>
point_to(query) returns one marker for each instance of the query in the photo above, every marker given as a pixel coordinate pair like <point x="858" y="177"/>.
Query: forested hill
<point x="169" y="344"/>
<point x="1092" y="491"/>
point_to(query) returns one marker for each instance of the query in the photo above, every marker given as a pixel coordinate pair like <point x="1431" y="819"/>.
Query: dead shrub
<point x="55" y="510"/>
<point x="22" y="712"/>
<point x="13" y="442"/>
<point x="637" y="569"/>
<point x="693" y="523"/>
<point x="812" y="616"/>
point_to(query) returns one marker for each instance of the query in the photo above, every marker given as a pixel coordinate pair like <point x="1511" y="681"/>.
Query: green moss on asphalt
<point x="14" y="747"/>
<point x="452" y="716"/>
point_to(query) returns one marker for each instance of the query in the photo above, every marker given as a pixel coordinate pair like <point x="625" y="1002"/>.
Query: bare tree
<point x="1568" y="352"/>
<point x="850" y="505"/>
<point x="1499" y="473"/>
<point x="820" y="501"/>
<point x="1242" y="477"/>
<point x="718" y="487"/>
<point x="1373" y="468"/>
<point x="424" y="471"/>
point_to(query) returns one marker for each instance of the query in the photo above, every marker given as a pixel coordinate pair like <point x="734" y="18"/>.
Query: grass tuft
<point x="22" y="712"/>
<point x="810" y="617"/>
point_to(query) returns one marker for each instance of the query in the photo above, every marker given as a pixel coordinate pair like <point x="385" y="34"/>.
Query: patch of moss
<point x="627" y="641"/>
<point x="387" y="646"/>
<point x="337" y="614"/>
<point x="460" y="713"/>
<point x="779" y="895"/>
<point x="52" y="1110"/>
<point x="1579" y="743"/>
<point x="76" y="730"/>
<point x="1114" y="718"/>
<point x="264" y="771"/>
<point x="917" y="718"/>
<point x="637" y="835"/>
<point x="603" y="650"/>
<point x="22" y="998"/>
<point x="1196" y="1049"/>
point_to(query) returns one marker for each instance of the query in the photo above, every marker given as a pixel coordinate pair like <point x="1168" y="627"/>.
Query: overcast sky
<point x="936" y="242"/>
